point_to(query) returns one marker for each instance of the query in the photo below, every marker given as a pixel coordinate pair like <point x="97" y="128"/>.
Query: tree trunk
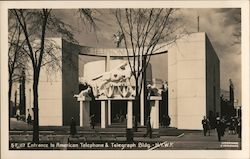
<point x="137" y="105"/>
<point x="35" y="109"/>
<point x="9" y="100"/>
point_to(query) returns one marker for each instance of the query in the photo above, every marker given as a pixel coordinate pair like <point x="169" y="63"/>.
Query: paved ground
<point x="115" y="138"/>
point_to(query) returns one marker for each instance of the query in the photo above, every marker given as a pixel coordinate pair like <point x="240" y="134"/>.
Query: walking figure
<point x="18" y="114"/>
<point x="239" y="128"/>
<point x="149" y="128"/>
<point x="205" y="125"/>
<point x="92" y="121"/>
<point x="235" y="124"/>
<point x="219" y="128"/>
<point x="168" y="120"/>
<point x="72" y="127"/>
<point x="164" y="121"/>
<point x="29" y="119"/>
<point x="224" y="126"/>
<point x="208" y="126"/>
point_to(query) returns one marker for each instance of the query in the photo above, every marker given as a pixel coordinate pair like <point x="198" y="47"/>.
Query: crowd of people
<point x="221" y="125"/>
<point x="233" y="125"/>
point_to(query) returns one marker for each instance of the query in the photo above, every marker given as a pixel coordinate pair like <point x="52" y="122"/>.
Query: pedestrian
<point x="72" y="127"/>
<point x="235" y="124"/>
<point x="205" y="125"/>
<point x="212" y="122"/>
<point x="231" y="126"/>
<point x="92" y="121"/>
<point x="168" y="120"/>
<point x="208" y="126"/>
<point x="18" y="114"/>
<point x="116" y="118"/>
<point x="133" y="119"/>
<point x="29" y="119"/>
<point x="149" y="128"/>
<point x="224" y="126"/>
<point x="239" y="128"/>
<point x="164" y="121"/>
<point x="122" y="118"/>
<point x="219" y="128"/>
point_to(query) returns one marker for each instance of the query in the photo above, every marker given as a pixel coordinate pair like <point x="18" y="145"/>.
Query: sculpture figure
<point x="154" y="91"/>
<point x="84" y="93"/>
<point x="113" y="83"/>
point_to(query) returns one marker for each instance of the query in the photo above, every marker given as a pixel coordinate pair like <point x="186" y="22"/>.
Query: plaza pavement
<point x="21" y="132"/>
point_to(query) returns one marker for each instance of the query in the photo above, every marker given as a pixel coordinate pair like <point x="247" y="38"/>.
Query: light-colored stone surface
<point x="49" y="92"/>
<point x="189" y="90"/>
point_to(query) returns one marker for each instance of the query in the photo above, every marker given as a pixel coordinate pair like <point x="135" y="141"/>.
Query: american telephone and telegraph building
<point x="190" y="67"/>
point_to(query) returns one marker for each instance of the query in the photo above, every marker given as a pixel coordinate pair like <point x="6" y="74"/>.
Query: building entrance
<point x="118" y="112"/>
<point x="95" y="109"/>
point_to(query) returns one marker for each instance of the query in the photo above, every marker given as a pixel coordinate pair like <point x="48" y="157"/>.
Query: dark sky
<point x="219" y="24"/>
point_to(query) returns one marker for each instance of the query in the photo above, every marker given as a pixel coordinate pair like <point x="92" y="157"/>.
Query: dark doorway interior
<point x="95" y="108"/>
<point x="163" y="108"/>
<point x="118" y="112"/>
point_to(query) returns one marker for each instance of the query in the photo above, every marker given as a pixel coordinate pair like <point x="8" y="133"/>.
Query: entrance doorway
<point x="95" y="109"/>
<point x="118" y="112"/>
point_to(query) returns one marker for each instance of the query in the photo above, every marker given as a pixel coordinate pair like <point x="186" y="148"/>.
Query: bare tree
<point x="35" y="24"/>
<point x="86" y="16"/>
<point x="16" y="58"/>
<point x="36" y="57"/>
<point x="143" y="30"/>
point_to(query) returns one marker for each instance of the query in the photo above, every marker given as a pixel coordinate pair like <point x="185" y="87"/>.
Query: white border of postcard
<point x="7" y="154"/>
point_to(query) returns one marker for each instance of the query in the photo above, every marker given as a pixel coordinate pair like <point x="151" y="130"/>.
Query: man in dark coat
<point x="164" y="121"/>
<point x="239" y="128"/>
<point x="219" y="128"/>
<point x="29" y="119"/>
<point x="92" y="121"/>
<point x="168" y="121"/>
<point x="72" y="127"/>
<point x="205" y="125"/>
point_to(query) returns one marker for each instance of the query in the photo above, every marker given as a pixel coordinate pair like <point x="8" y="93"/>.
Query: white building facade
<point x="194" y="81"/>
<point x="190" y="66"/>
